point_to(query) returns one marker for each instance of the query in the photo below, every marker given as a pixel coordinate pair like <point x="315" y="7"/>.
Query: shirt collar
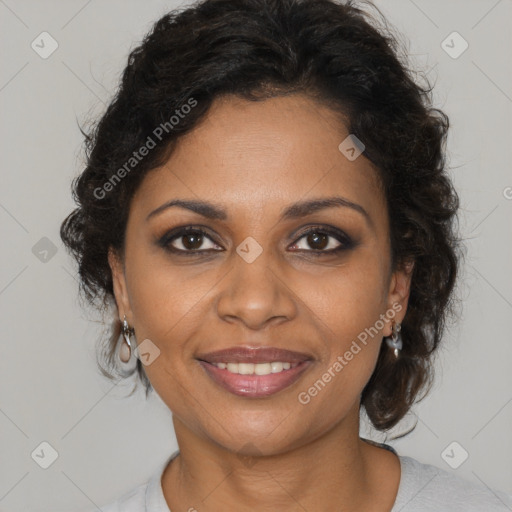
<point x="155" y="500"/>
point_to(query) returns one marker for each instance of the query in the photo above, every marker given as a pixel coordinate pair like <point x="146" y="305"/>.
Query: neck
<point x="335" y="468"/>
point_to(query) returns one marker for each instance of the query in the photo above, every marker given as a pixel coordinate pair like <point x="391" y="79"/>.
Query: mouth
<point x="254" y="372"/>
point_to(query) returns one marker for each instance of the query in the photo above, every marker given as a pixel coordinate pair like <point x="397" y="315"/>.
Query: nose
<point x="255" y="294"/>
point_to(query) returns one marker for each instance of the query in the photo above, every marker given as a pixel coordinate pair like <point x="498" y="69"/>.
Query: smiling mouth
<point x="256" y="368"/>
<point x="242" y="379"/>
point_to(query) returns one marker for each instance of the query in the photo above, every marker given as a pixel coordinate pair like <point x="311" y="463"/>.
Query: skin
<point x="254" y="159"/>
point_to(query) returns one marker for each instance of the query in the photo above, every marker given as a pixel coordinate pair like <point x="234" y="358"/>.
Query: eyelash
<point x="346" y="242"/>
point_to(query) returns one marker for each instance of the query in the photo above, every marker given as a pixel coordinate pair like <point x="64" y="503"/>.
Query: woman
<point x="266" y="201"/>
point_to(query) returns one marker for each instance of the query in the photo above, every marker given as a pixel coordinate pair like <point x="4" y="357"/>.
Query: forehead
<point x="254" y="156"/>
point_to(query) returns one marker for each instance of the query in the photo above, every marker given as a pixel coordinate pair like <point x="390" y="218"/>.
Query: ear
<point x="119" y="283"/>
<point x="398" y="295"/>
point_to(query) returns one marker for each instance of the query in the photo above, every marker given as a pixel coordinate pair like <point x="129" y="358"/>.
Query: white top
<point x="423" y="488"/>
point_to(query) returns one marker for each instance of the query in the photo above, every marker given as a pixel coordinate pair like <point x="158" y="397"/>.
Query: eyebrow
<point x="294" y="211"/>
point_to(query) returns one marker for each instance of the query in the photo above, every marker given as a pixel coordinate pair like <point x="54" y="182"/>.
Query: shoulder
<point x="148" y="496"/>
<point x="131" y="501"/>
<point x="426" y="488"/>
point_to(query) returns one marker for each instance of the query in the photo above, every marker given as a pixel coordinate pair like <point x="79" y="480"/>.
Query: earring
<point x="395" y="341"/>
<point x="125" y="352"/>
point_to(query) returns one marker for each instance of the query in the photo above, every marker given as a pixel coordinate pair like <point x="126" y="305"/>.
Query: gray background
<point x="50" y="389"/>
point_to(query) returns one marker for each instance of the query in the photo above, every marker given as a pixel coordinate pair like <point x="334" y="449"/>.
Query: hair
<point x="335" y="53"/>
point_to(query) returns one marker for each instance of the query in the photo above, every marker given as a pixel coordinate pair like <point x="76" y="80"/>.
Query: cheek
<point x="161" y="292"/>
<point x="170" y="303"/>
<point x="347" y="299"/>
<point x="352" y="343"/>
<point x="348" y="305"/>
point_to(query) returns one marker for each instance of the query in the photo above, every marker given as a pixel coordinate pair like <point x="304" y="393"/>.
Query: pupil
<point x="315" y="238"/>
<point x="192" y="241"/>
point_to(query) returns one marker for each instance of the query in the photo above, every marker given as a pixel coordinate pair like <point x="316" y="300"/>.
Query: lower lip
<point x="254" y="386"/>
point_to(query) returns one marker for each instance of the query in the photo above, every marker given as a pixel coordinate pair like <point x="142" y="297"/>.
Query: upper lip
<point x="253" y="355"/>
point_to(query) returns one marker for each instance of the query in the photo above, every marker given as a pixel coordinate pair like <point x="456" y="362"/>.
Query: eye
<point x="318" y="241"/>
<point x="188" y="239"/>
<point x="323" y="240"/>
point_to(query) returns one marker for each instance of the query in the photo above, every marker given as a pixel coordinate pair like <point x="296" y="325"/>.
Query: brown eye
<point x="188" y="240"/>
<point x="192" y="241"/>
<point x="323" y="240"/>
<point x="317" y="240"/>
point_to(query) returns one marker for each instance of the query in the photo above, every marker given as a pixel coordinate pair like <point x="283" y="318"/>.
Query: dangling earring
<point x="395" y="341"/>
<point x="125" y="352"/>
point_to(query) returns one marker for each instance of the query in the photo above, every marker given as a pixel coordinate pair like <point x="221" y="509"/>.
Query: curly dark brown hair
<point x="336" y="53"/>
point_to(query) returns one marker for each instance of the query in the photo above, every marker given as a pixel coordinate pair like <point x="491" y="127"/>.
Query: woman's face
<point x="256" y="278"/>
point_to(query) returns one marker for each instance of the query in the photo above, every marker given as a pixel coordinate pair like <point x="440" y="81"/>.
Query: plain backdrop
<point x="50" y="389"/>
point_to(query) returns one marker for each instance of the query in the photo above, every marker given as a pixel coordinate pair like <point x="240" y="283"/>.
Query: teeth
<point x="256" y="368"/>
